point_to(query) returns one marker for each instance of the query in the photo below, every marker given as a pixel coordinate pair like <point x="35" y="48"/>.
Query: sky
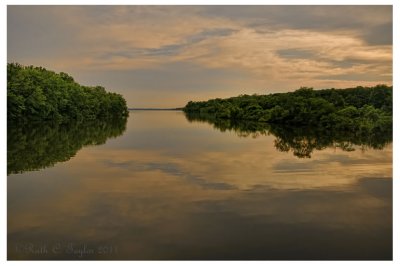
<point x="165" y="56"/>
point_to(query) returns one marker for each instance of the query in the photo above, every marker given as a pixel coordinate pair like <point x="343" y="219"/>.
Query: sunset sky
<point x="164" y="56"/>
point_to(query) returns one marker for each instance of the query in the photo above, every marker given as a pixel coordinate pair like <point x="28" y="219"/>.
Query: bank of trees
<point x="364" y="109"/>
<point x="37" y="94"/>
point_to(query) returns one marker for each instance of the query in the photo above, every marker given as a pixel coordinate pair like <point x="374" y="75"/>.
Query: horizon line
<point x="154" y="108"/>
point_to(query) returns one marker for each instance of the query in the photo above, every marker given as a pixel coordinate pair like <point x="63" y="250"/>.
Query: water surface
<point x="170" y="188"/>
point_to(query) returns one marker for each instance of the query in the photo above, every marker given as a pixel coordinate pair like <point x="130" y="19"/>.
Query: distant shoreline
<point x="155" y="109"/>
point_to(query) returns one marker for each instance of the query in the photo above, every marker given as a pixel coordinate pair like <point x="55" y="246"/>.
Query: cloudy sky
<point x="164" y="56"/>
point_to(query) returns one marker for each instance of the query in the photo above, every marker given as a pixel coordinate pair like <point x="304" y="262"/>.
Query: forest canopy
<point x="38" y="94"/>
<point x="361" y="109"/>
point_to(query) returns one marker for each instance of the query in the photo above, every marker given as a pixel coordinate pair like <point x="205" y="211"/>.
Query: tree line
<point x="362" y="109"/>
<point x="38" y="94"/>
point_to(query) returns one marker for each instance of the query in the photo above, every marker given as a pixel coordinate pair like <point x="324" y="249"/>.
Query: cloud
<point x="295" y="53"/>
<point x="358" y="77"/>
<point x="379" y="34"/>
<point x="170" y="169"/>
<point x="265" y="48"/>
<point x="171" y="49"/>
<point x="363" y="21"/>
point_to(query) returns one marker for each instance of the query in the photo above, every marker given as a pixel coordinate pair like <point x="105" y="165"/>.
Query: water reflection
<point x="301" y="141"/>
<point x="33" y="146"/>
<point x="169" y="189"/>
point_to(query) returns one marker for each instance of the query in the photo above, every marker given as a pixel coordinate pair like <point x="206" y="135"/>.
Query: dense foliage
<point x="366" y="109"/>
<point x="34" y="93"/>
<point x="300" y="140"/>
<point x="32" y="146"/>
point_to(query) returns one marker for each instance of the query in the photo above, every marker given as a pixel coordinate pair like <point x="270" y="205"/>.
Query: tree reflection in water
<point x="302" y="141"/>
<point x="33" y="146"/>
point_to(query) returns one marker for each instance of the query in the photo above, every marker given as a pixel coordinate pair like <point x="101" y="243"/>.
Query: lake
<point x="167" y="187"/>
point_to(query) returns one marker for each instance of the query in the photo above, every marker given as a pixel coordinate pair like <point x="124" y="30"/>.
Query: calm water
<point x="167" y="188"/>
